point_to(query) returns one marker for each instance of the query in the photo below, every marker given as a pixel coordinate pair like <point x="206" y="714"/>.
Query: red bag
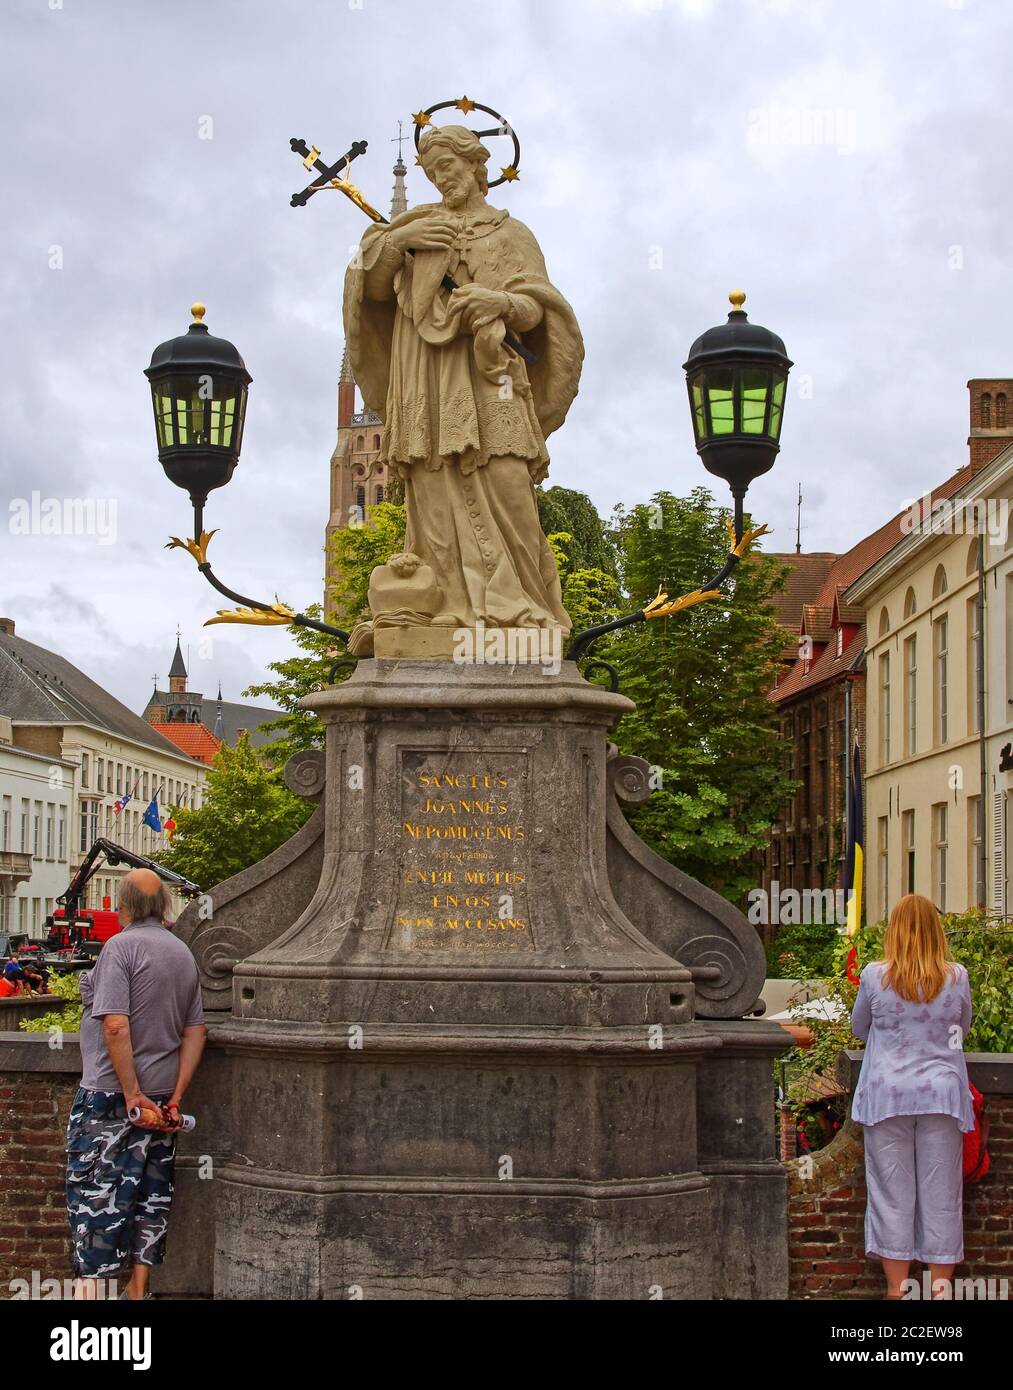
<point x="976" y="1159"/>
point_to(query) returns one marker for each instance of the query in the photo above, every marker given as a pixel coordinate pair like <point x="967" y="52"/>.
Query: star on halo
<point x="465" y="104"/>
<point x="510" y="174"/>
<point x="421" y="118"/>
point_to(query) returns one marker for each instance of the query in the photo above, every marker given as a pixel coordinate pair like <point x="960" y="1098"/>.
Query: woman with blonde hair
<point x="914" y="1011"/>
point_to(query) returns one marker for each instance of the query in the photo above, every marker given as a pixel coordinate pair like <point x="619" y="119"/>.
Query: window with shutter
<point x="999" y="853"/>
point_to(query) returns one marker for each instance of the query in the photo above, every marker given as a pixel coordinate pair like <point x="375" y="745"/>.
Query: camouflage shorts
<point x="119" y="1186"/>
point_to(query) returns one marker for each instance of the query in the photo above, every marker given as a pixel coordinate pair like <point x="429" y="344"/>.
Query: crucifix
<point x="332" y="178"/>
<point x="329" y="174"/>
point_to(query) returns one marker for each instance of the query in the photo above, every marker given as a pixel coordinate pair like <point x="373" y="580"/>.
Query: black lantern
<point x="198" y="388"/>
<point x="737" y="374"/>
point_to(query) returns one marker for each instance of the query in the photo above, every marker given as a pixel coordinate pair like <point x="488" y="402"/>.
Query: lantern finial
<point x="198" y="311"/>
<point x="737" y="298"/>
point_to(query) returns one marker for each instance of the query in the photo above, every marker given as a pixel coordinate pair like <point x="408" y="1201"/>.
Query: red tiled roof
<point x="194" y="740"/>
<point x="846" y="612"/>
<point x="844" y="571"/>
<point x="816" y="622"/>
<point x="804" y="581"/>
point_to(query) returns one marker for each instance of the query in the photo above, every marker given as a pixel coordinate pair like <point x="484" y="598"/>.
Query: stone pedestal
<point x="459" y="1070"/>
<point x="464" y="876"/>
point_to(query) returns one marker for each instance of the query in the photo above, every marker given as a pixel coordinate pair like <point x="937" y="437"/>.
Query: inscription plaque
<point x="462" y="852"/>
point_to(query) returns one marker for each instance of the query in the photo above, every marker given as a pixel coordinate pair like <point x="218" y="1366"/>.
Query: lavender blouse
<point x="914" y="1056"/>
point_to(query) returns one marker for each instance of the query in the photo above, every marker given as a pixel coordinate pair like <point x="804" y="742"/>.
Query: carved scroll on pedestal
<point x="249" y="910"/>
<point x="695" y="925"/>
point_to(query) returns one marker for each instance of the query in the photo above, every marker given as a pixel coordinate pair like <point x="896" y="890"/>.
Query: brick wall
<point x="801" y="849"/>
<point x="34" y="1108"/>
<point x="826" y="1212"/>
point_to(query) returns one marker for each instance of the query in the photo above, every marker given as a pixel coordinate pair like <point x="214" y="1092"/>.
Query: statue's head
<point x="454" y="159"/>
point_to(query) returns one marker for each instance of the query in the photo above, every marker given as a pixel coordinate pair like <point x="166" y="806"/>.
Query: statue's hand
<point x="424" y="234"/>
<point x="478" y="306"/>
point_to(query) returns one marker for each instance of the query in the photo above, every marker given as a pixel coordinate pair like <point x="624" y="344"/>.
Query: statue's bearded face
<point x="453" y="175"/>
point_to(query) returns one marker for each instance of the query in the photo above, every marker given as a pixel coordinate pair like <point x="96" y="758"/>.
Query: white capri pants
<point x="914" y="1177"/>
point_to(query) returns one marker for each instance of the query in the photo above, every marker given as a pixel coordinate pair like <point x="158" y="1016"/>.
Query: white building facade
<point x="36" y="810"/>
<point x="939" y="704"/>
<point x="71" y="752"/>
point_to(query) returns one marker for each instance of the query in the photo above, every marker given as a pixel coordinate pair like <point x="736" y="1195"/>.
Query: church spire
<point x="399" y="198"/>
<point x="177" y="671"/>
<point x="345" y="378"/>
<point x="219" y="729"/>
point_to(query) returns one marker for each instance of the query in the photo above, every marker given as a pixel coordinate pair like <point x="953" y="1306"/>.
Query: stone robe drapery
<point x="465" y="419"/>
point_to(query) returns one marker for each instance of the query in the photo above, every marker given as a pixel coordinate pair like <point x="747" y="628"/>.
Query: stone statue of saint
<point x="465" y="418"/>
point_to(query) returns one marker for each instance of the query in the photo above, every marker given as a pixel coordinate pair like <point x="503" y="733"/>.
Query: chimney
<point x="7" y="625"/>
<point x="991" y="405"/>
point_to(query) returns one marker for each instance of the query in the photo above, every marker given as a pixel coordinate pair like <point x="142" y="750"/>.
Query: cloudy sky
<point x="846" y="163"/>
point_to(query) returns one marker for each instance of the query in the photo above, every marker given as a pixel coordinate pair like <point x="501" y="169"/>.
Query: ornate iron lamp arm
<point x="661" y="607"/>
<point x="253" y="611"/>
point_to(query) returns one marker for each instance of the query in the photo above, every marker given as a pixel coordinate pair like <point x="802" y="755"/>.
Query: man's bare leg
<point x="137" y="1284"/>
<point x="941" y="1274"/>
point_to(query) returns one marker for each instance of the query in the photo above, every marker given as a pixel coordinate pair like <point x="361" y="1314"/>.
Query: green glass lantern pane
<point x="163" y="416"/>
<point x="222" y="419"/>
<point x="755" y="385"/>
<point x="699" y="417"/>
<point x="721" y="400"/>
<point x="776" y="407"/>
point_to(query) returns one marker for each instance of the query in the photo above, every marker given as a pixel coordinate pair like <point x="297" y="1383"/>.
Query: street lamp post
<point x="199" y="388"/>
<point x="736" y="374"/>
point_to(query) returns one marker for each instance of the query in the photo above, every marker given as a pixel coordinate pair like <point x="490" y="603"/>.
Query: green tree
<point x="295" y="677"/>
<point x="590" y="596"/>
<point x="357" y="550"/>
<point x="247" y="812"/>
<point x="591" y="544"/>
<point x="700" y="681"/>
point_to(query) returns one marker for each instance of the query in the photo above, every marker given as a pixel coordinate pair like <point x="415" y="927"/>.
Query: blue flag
<point x="150" y="816"/>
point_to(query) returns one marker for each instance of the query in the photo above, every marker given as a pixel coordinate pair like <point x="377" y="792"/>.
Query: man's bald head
<point x="143" y="895"/>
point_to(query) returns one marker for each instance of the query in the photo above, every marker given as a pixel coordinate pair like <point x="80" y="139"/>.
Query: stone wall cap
<point x="991" y="1072"/>
<point x="333" y="1038"/>
<point x="30" y="1052"/>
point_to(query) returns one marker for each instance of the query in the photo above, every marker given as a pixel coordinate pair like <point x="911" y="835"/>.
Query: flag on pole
<point x="150" y="817"/>
<point x="854" y="859"/>
<point x="169" y="825"/>
<point x="122" y="801"/>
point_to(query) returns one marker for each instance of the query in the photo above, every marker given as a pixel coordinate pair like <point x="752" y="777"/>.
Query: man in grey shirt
<point x="142" y="1035"/>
